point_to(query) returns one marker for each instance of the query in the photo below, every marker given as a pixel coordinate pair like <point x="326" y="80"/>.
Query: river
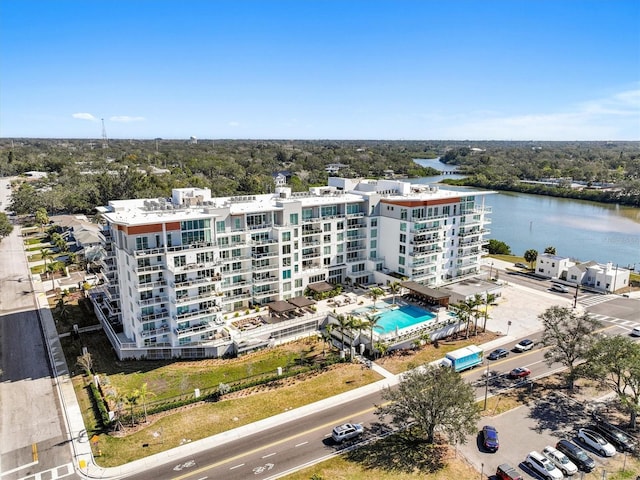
<point x="576" y="228"/>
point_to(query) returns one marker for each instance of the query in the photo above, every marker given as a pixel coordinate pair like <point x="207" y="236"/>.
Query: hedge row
<point x="99" y="405"/>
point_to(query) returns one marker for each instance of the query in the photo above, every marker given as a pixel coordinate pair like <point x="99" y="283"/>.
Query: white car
<point x="346" y="431"/>
<point x="543" y="466"/>
<point x="635" y="332"/>
<point x="524" y="345"/>
<point x="596" y="442"/>
<point x="560" y="460"/>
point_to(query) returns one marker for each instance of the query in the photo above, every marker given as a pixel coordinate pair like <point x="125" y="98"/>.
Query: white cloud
<point x="126" y="119"/>
<point x="616" y="117"/>
<point x="84" y="116"/>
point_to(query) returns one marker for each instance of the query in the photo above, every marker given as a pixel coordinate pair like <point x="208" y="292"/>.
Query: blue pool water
<point x="405" y="316"/>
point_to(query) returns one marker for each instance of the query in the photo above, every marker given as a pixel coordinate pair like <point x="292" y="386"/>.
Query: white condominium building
<point x="174" y="268"/>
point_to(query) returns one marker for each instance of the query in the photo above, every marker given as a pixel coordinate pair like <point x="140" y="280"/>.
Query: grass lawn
<point x="208" y="418"/>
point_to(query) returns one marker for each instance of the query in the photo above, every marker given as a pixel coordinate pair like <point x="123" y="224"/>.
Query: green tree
<point x="432" y="399"/>
<point x="531" y="256"/>
<point x="41" y="217"/>
<point x="344" y="324"/>
<point x="489" y="300"/>
<point x="615" y="361"/>
<point x="496" y="247"/>
<point x="569" y="337"/>
<point x="5" y="226"/>
<point x="550" y="250"/>
<point x="144" y="392"/>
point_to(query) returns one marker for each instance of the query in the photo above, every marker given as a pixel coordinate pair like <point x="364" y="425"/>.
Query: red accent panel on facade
<point x="172" y="225"/>
<point x="422" y="203"/>
<point x="142" y="229"/>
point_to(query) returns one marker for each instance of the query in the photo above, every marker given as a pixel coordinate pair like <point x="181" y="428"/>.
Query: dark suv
<point x="617" y="437"/>
<point x="576" y="455"/>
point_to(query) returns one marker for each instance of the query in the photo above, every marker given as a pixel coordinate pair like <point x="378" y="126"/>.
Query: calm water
<point x="578" y="229"/>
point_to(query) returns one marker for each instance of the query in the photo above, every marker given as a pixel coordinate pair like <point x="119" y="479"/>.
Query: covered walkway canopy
<point x="430" y="295"/>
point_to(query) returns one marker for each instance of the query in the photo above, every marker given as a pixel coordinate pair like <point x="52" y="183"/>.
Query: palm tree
<point x="143" y="393"/>
<point x="395" y="288"/>
<point x="476" y="302"/>
<point x="131" y="399"/>
<point x="357" y="324"/>
<point x="373" y="322"/>
<point x="343" y="324"/>
<point x="489" y="299"/>
<point x="464" y="314"/>
<point x="375" y="294"/>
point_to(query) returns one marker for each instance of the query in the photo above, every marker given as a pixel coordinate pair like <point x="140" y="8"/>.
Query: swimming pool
<point x="402" y="317"/>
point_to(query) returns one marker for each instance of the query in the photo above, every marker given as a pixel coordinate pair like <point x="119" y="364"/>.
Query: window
<point x="286" y="236"/>
<point x="326" y="227"/>
<point x="326" y="238"/>
<point x="293" y="219"/>
<point x="340" y="226"/>
<point x="142" y="243"/>
<point x="403" y="238"/>
<point x="286" y="249"/>
<point x="286" y="274"/>
<point x="374" y="233"/>
<point x="220" y="226"/>
<point x="180" y="261"/>
<point x="329" y="211"/>
<point x="374" y="222"/>
<point x="403" y="227"/>
<point x="373" y="244"/>
<point x="402" y="249"/>
<point x="286" y="262"/>
<point x="307" y="214"/>
<point x="327" y="250"/>
<point x="400" y="260"/>
<point x="403" y="214"/>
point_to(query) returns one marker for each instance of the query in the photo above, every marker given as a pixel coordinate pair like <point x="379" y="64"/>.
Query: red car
<point x="520" y="372"/>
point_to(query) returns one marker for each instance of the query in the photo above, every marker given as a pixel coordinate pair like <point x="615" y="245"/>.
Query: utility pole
<point x="486" y="387"/>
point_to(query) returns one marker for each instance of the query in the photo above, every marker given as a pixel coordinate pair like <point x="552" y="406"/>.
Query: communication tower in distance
<point x="105" y="142"/>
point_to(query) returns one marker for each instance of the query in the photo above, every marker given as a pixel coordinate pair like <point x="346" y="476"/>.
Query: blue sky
<point x="321" y="69"/>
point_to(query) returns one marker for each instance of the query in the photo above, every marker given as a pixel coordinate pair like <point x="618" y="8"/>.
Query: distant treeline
<point x="83" y="174"/>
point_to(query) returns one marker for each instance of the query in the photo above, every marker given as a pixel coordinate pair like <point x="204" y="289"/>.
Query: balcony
<point x="311" y="219"/>
<point x="264" y="255"/>
<point x="153" y="301"/>
<point x="150" y="268"/>
<point x="351" y="226"/>
<point x="265" y="267"/>
<point x="355" y="248"/>
<point x="196" y="313"/>
<point x="192" y="246"/>
<point x="155" y="332"/>
<point x="425" y="241"/>
<point x="265" y="293"/>
<point x="354" y="215"/>
<point x="195" y="298"/>
<point x="229" y="285"/>
<point x="196" y="329"/>
<point x="150" y="285"/>
<point x="307" y="256"/>
<point x="311" y="231"/>
<point x="146" y="252"/>
<point x="260" y="281"/>
<point x="195" y="281"/>
<point x="425" y="230"/>
<point x="162" y="316"/>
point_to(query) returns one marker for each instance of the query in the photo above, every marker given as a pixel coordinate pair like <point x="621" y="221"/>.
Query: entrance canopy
<point x="431" y="295"/>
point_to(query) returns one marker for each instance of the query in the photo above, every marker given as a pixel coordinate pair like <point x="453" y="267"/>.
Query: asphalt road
<point x="31" y="431"/>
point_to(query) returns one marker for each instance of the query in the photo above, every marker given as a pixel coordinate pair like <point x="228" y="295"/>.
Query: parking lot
<point x="542" y="422"/>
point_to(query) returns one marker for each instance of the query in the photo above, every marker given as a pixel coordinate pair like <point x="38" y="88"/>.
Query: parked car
<point x="519" y="372"/>
<point x="577" y="455"/>
<point x="507" y="472"/>
<point x="346" y="431"/>
<point x="619" y="439"/>
<point x="543" y="466"/>
<point x="489" y="437"/>
<point x="556" y="287"/>
<point x="498" y="353"/>
<point x="560" y="460"/>
<point x="524" y="345"/>
<point x="595" y="441"/>
<point x="635" y="332"/>
<point x="521" y="265"/>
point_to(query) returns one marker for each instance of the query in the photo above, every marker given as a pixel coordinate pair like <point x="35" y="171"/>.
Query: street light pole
<point x="491" y="271"/>
<point x="481" y="470"/>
